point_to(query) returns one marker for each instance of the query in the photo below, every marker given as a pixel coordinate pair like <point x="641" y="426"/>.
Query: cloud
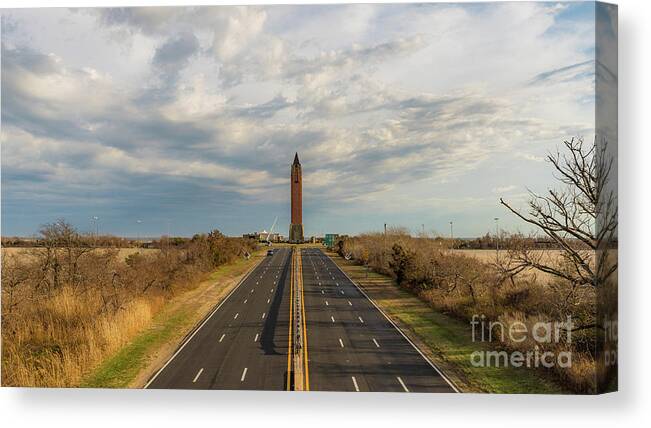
<point x="581" y="71"/>
<point x="504" y="189"/>
<point x="176" y="51"/>
<point x="379" y="100"/>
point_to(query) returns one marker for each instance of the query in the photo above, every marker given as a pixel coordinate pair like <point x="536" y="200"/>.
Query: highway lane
<point x="352" y="345"/>
<point x="243" y="344"/>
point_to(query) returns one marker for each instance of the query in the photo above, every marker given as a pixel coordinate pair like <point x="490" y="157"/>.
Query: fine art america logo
<point x="546" y="339"/>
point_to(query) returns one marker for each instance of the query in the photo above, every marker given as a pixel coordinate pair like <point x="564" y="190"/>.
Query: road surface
<point x="243" y="344"/>
<point x="352" y="346"/>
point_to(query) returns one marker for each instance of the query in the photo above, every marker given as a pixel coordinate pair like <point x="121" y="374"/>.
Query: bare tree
<point x="581" y="218"/>
<point x="59" y="256"/>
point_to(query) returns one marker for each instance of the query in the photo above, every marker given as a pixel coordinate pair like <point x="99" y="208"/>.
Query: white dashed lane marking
<point x="402" y="384"/>
<point x="355" y="383"/>
<point x="197" y="376"/>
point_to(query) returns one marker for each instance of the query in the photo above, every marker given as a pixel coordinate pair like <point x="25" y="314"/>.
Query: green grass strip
<point x="120" y="369"/>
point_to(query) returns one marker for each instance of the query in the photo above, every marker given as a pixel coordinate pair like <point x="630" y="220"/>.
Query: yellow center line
<point x="307" y="371"/>
<point x="289" y="333"/>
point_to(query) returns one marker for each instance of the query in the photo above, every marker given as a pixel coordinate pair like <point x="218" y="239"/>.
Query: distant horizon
<point x="186" y="119"/>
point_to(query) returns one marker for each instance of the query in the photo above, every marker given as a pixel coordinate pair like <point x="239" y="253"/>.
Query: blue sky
<point x="189" y="118"/>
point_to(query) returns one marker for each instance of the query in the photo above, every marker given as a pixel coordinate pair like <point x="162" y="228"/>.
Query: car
<point x="270" y="252"/>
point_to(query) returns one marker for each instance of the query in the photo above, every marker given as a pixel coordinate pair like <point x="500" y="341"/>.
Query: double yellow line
<point x="296" y="280"/>
<point x="305" y="360"/>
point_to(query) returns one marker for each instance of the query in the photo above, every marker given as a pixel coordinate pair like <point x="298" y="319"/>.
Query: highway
<point x="243" y="344"/>
<point x="351" y="346"/>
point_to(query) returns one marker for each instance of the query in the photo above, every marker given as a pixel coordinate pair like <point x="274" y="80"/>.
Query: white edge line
<point x="445" y="378"/>
<point x="203" y="323"/>
<point x="355" y="383"/>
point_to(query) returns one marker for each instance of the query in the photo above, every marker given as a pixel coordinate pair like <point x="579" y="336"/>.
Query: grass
<point x="445" y="340"/>
<point x="120" y="369"/>
<point x="132" y="365"/>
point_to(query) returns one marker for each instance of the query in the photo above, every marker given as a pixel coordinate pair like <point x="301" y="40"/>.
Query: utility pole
<point x="385" y="235"/>
<point x="497" y="236"/>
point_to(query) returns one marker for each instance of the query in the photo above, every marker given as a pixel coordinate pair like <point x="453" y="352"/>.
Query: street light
<point x="452" y="234"/>
<point x="96" y="220"/>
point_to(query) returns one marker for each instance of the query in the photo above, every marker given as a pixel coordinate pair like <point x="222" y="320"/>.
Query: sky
<point x="186" y="119"/>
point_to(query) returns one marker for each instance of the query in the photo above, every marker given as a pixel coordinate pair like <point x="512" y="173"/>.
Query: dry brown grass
<point x="66" y="307"/>
<point x="66" y="337"/>
<point x="491" y="256"/>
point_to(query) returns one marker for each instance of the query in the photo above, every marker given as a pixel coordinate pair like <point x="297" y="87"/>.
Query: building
<point x="296" y="226"/>
<point x="264" y="236"/>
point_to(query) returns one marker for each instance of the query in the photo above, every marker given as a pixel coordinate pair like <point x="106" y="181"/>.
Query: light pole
<point x="96" y="220"/>
<point x="497" y="236"/>
<point x="384" y="244"/>
<point x="452" y="233"/>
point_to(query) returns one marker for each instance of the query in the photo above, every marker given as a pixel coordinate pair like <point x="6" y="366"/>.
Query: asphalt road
<point x="352" y="346"/>
<point x="243" y="344"/>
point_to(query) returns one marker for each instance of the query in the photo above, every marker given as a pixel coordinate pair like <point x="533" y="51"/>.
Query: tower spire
<point x="296" y="225"/>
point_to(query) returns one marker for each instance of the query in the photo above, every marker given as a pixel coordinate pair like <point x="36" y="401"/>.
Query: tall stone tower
<point x="296" y="226"/>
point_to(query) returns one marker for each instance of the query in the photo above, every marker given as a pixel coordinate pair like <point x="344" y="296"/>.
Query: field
<point x="123" y="252"/>
<point x="490" y="256"/>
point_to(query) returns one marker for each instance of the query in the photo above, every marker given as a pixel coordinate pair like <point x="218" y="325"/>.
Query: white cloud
<point x="379" y="100"/>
